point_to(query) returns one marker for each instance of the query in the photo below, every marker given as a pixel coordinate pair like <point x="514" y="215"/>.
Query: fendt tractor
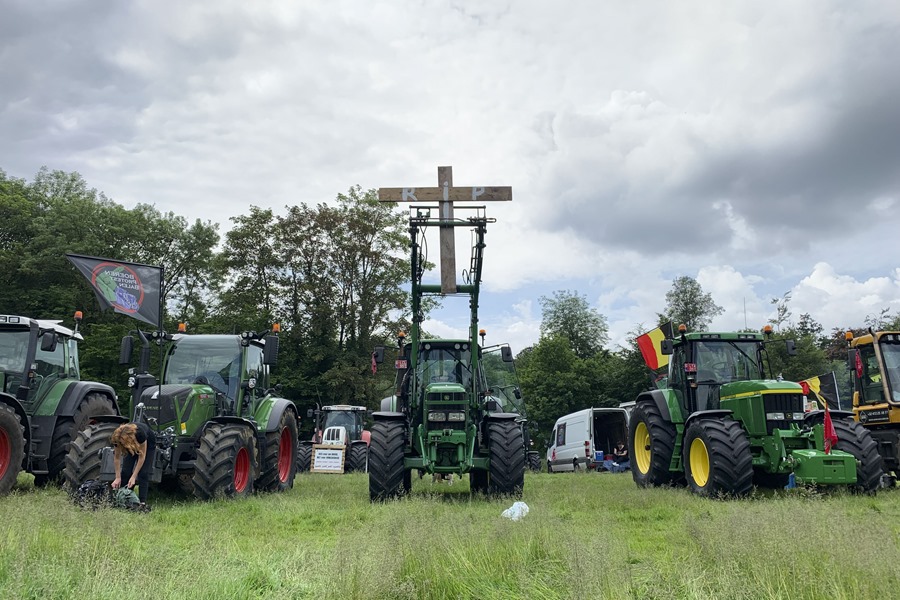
<point x="874" y="361"/>
<point x="43" y="401"/>
<point x="220" y="430"/>
<point x="502" y="384"/>
<point x="718" y="425"/>
<point x="338" y="425"/>
<point x="442" y="420"/>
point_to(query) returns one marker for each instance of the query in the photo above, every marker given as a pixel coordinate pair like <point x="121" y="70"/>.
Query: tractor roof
<point x="44" y="324"/>
<point x="344" y="408"/>
<point x="869" y="338"/>
<point x="730" y="336"/>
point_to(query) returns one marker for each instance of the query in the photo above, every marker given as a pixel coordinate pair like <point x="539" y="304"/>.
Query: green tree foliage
<point x="568" y="314"/>
<point x="687" y="303"/>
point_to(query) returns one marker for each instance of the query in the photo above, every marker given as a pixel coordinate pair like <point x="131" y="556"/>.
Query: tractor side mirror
<point x="851" y="359"/>
<point x="48" y="342"/>
<point x="309" y="414"/>
<point x="270" y="350"/>
<point x="378" y="354"/>
<point x="517" y="393"/>
<point x="490" y="405"/>
<point x="791" y="347"/>
<point x="506" y="354"/>
<point x="126" y="349"/>
<point x="667" y="347"/>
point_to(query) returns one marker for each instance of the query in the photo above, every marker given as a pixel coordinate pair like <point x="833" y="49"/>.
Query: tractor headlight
<point x="776" y="416"/>
<point x="437" y="416"/>
<point x="251" y="383"/>
<point x="132" y="381"/>
<point x="456" y="416"/>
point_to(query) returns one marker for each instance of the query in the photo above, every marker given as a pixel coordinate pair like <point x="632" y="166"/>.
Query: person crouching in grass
<point x="135" y="446"/>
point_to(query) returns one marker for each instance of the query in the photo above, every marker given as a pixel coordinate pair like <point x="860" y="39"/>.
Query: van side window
<point x="561" y="435"/>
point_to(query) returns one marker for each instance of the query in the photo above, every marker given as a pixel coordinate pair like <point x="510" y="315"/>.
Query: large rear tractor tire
<point x="226" y="462"/>
<point x="651" y="441"/>
<point x="93" y="405"/>
<point x="279" y="465"/>
<point x="12" y="448"/>
<point x="387" y="477"/>
<point x="855" y="439"/>
<point x="304" y="458"/>
<point x="83" y="458"/>
<point x="506" y="475"/>
<point x="717" y="458"/>
<point x="534" y="462"/>
<point x="358" y="455"/>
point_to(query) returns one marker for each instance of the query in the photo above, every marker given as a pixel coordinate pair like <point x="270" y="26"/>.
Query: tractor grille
<point x="160" y="403"/>
<point x="444" y="410"/>
<point x="788" y="405"/>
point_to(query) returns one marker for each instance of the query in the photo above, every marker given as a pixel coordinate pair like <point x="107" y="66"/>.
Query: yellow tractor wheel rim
<point x="699" y="458"/>
<point x="642" y="448"/>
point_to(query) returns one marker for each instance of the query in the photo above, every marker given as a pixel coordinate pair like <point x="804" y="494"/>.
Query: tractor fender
<point x="279" y="405"/>
<point x="13" y="403"/>
<point x="817" y="417"/>
<point x="708" y="414"/>
<point x="77" y="392"/>
<point x="387" y="415"/>
<point x="228" y="420"/>
<point x="110" y="419"/>
<point x="359" y="442"/>
<point x="658" y="398"/>
<point x="502" y="416"/>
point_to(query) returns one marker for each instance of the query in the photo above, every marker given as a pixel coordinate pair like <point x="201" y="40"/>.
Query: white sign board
<point x="328" y="459"/>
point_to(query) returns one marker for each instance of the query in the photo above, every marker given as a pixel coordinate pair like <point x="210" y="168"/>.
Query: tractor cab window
<point x="873" y="389"/>
<point x="13" y="351"/>
<point x="255" y="369"/>
<point x="50" y="363"/>
<point x="891" y="355"/>
<point x="207" y="360"/>
<point x="724" y="361"/>
<point x="444" y="364"/>
<point x="352" y="421"/>
<point x="502" y="381"/>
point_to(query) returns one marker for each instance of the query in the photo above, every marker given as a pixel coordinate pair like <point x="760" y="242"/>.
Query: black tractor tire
<point x="506" y="475"/>
<point x="12" y="447"/>
<point x="226" y="462"/>
<point x="93" y="405"/>
<point x="279" y="465"/>
<point x="357" y="456"/>
<point x="534" y="462"/>
<point x="478" y="481"/>
<point x="387" y="477"/>
<point x="855" y="439"/>
<point x="656" y="437"/>
<point x="304" y="458"/>
<point x="83" y="458"/>
<point x="717" y="458"/>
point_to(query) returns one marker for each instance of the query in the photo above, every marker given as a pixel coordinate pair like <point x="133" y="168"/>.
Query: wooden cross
<point x="445" y="195"/>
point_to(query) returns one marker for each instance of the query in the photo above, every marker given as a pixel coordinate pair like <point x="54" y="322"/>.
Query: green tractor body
<point x="220" y="430"/>
<point x="442" y="418"/>
<point x="719" y="426"/>
<point x="43" y="401"/>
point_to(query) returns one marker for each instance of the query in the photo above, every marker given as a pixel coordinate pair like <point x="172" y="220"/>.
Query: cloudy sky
<point x="754" y="146"/>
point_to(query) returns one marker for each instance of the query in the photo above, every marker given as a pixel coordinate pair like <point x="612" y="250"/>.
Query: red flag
<point x="859" y="366"/>
<point x="831" y="437"/>
<point x="374" y="364"/>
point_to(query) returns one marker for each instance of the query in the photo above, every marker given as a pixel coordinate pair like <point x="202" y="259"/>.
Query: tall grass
<point x="586" y="536"/>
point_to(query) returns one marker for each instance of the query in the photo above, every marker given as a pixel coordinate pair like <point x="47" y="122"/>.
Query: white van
<point x="580" y="440"/>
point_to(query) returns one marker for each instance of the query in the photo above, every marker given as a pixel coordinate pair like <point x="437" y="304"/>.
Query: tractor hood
<point x="164" y="403"/>
<point x="442" y="388"/>
<point x="737" y="389"/>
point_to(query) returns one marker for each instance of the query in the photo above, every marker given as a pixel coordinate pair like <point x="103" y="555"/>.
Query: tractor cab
<point x="350" y="419"/>
<point x="875" y="364"/>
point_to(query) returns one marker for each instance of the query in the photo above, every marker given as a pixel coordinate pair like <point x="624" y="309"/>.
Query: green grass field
<point x="586" y="536"/>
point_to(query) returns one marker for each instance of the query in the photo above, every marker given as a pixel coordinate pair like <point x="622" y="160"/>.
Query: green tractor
<point x="43" y="401"/>
<point x="220" y="430"/>
<point x="719" y="426"/>
<point x="442" y="419"/>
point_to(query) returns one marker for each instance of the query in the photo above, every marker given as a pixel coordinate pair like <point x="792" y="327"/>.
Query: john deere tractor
<point x="717" y="424"/>
<point x="874" y="361"/>
<point x="43" y="402"/>
<point x="340" y="425"/>
<point x="442" y="419"/>
<point x="220" y="430"/>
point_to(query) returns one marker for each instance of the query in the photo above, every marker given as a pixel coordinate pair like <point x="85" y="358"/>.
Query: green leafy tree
<point x="568" y="315"/>
<point x="688" y="304"/>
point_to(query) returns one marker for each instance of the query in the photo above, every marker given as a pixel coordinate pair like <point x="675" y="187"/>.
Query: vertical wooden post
<point x="447" y="233"/>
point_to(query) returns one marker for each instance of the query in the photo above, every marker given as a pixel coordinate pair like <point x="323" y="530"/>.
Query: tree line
<point x="335" y="276"/>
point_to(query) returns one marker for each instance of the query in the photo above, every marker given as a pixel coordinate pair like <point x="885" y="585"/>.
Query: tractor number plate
<point x="400" y="364"/>
<point x="690" y="367"/>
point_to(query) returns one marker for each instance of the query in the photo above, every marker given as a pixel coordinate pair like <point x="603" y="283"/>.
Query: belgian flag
<point x="649" y="346"/>
<point x="823" y="389"/>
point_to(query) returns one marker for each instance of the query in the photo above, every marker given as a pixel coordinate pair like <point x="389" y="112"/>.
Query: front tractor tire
<point x="855" y="439"/>
<point x="304" y="458"/>
<point x="717" y="458"/>
<point x="357" y="456"/>
<point x="387" y="477"/>
<point x="652" y="442"/>
<point x="506" y="475"/>
<point x="93" y="405"/>
<point x="83" y="459"/>
<point x="226" y="462"/>
<point x="279" y="465"/>
<point x="534" y="462"/>
<point x="12" y="448"/>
